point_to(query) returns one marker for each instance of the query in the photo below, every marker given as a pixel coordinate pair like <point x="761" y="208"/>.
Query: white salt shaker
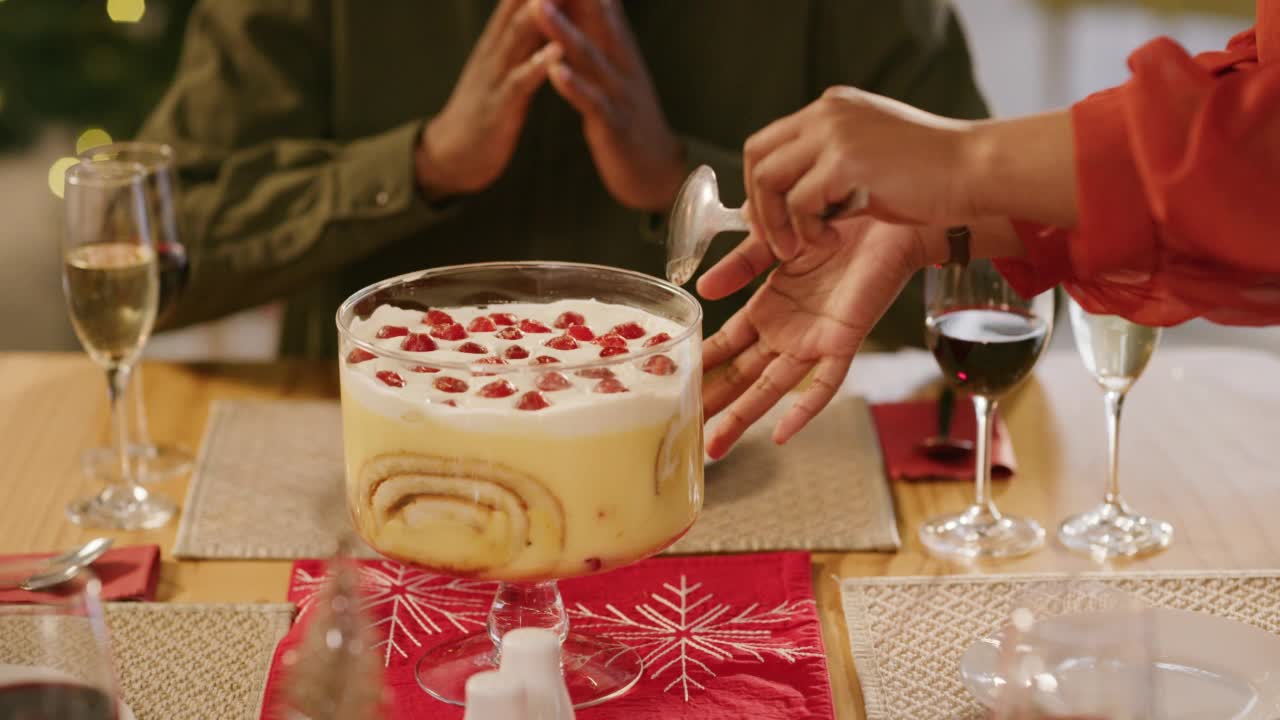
<point x="492" y="695"/>
<point x="532" y="657"/>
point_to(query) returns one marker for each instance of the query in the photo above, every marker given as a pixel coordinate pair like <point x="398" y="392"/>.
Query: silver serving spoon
<point x="62" y="568"/>
<point x="698" y="215"/>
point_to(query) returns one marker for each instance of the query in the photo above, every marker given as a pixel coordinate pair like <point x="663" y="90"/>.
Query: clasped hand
<point x="587" y="51"/>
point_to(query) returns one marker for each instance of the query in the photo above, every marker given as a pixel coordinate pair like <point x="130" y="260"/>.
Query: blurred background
<point x="77" y="73"/>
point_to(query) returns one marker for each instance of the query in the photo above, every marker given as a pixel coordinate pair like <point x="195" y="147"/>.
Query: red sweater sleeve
<point x="1177" y="174"/>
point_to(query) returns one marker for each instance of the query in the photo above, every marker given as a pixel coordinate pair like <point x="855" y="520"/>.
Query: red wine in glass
<point x="55" y="701"/>
<point x="986" y="351"/>
<point x="171" y="262"/>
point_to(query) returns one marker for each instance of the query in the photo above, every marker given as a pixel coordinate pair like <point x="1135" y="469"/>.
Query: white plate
<point x="1206" y="667"/>
<point x="15" y="674"/>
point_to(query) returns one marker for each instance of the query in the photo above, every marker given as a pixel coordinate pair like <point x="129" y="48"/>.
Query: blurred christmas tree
<point x="85" y="63"/>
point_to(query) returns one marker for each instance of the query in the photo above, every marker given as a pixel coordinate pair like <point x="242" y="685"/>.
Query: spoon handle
<point x="946" y="401"/>
<point x="733" y="220"/>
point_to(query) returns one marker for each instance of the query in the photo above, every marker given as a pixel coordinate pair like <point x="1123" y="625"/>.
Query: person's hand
<point x="811" y="314"/>
<point x="469" y="143"/>
<point x="800" y="169"/>
<point x="603" y="76"/>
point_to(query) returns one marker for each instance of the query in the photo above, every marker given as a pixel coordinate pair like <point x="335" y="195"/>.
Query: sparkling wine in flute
<point x="112" y="293"/>
<point x="986" y="351"/>
<point x="1114" y="350"/>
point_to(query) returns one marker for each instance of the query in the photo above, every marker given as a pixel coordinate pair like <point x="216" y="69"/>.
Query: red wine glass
<point x="55" y="661"/>
<point x="986" y="338"/>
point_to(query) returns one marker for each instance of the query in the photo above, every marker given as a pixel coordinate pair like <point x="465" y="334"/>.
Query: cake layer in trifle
<point x="519" y="466"/>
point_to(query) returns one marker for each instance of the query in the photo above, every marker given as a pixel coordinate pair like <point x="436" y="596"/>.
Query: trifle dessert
<point x="522" y="422"/>
<point x="489" y="458"/>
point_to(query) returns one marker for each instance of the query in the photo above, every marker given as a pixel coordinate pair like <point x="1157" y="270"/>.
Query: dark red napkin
<point x="728" y="636"/>
<point x="127" y="573"/>
<point x="902" y="426"/>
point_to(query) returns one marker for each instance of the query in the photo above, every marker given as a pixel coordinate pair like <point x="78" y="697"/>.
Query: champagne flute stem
<point x="117" y="390"/>
<point x="1114" y="401"/>
<point x="985" y="409"/>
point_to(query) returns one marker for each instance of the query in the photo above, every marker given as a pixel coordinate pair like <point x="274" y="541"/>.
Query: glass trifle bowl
<point x="522" y="422"/>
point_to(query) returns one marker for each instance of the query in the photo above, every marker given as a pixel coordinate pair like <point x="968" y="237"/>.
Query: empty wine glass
<point x="54" y="655"/>
<point x="986" y="338"/>
<point x="1115" y="351"/>
<point x="111" y="285"/>
<point x="153" y="462"/>
<point x="1077" y="650"/>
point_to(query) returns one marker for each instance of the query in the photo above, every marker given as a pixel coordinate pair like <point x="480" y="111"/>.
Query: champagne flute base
<point x="976" y="533"/>
<point x="117" y="509"/>
<point x="151" y="464"/>
<point x="1111" y="530"/>
<point x="595" y="669"/>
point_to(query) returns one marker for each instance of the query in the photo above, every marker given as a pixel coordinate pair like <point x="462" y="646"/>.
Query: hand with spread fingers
<point x="603" y="76"/>
<point x="467" y="146"/>
<point x="802" y="168"/>
<point x="811" y="314"/>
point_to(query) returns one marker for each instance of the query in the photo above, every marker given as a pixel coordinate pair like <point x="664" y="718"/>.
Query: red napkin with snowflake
<point x="903" y="426"/>
<point x="722" y="636"/>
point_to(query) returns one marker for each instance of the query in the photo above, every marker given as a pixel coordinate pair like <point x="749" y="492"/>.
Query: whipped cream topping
<point x="501" y="345"/>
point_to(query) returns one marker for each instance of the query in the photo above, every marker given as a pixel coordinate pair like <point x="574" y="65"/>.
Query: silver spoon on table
<point x="61" y="568"/>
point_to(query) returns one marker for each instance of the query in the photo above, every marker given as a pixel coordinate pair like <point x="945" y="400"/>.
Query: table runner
<point x="268" y="484"/>
<point x="908" y="634"/>
<point x="724" y="636"/>
<point x="187" y="661"/>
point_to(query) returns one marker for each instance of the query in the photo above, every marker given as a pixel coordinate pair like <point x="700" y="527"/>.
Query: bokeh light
<point x="126" y="11"/>
<point x="58" y="174"/>
<point x="92" y="138"/>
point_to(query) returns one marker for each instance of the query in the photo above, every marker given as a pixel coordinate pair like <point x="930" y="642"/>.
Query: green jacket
<point x="294" y="123"/>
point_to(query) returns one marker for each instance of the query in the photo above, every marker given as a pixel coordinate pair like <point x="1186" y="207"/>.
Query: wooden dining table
<point x="1198" y="444"/>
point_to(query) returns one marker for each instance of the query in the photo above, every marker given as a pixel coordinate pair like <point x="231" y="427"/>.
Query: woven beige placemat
<point x="908" y="634"/>
<point x="179" y="661"/>
<point x="825" y="489"/>
<point x="268" y="484"/>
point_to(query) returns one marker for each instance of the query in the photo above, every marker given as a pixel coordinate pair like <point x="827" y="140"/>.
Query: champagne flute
<point x="153" y="462"/>
<point x="54" y="656"/>
<point x="110" y="281"/>
<point x="986" y="339"/>
<point x="1115" y="351"/>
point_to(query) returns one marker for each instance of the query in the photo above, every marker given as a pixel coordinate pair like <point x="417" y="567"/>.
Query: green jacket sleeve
<point x="269" y="204"/>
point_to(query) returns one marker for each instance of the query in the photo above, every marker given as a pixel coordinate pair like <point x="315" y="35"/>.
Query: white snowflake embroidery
<point x="414" y="603"/>
<point x="691" y="634"/>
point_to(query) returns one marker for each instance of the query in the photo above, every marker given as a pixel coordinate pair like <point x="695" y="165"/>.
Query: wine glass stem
<point x="142" y="434"/>
<point x="985" y="409"/>
<point x="1114" y="401"/>
<point x="518" y="605"/>
<point x="117" y="391"/>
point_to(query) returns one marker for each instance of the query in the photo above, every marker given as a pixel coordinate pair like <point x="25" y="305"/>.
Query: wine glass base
<point x="968" y="535"/>
<point x="150" y="464"/>
<point x="1113" y="531"/>
<point x="595" y="669"/>
<point x="106" y="512"/>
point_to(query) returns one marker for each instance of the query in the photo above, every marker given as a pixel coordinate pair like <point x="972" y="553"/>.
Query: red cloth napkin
<point x="746" y="627"/>
<point x="127" y="573"/>
<point x="902" y="426"/>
